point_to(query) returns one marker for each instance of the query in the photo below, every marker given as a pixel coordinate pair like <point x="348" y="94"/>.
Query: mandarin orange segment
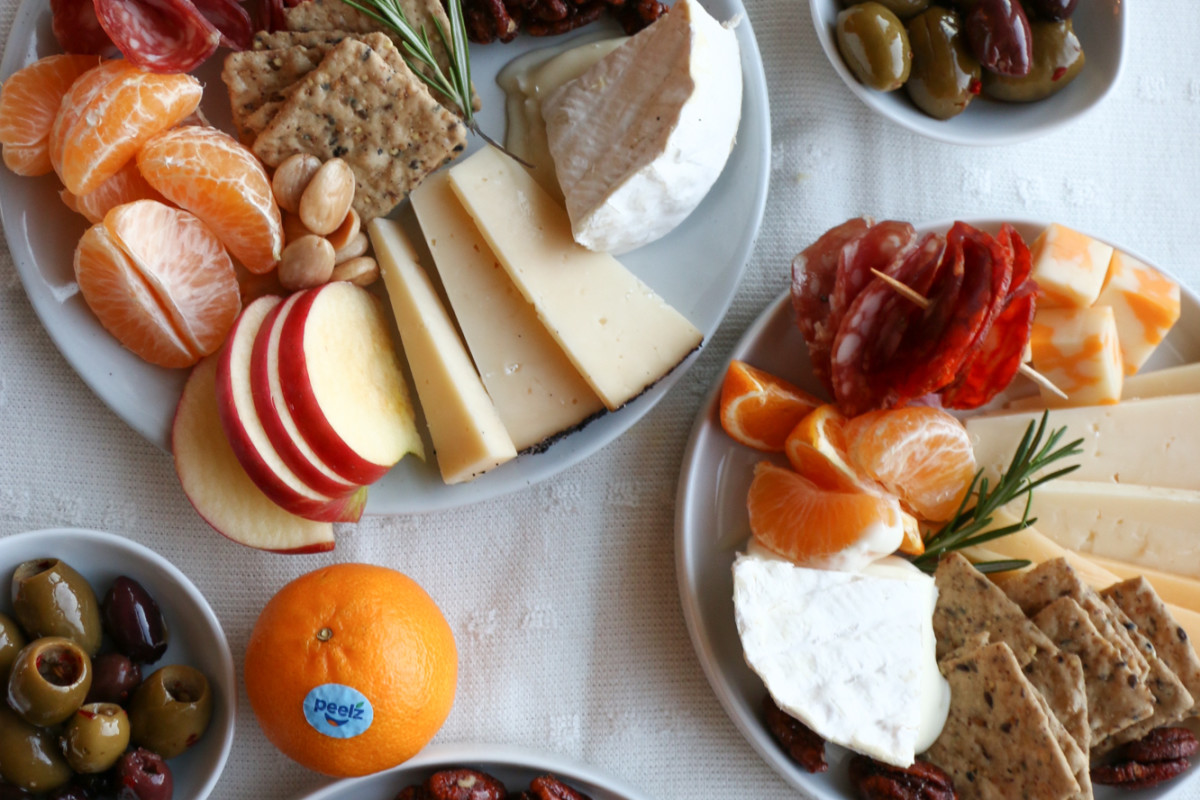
<point x="29" y="102"/>
<point x="793" y="517"/>
<point x="122" y="301"/>
<point x="912" y="544"/>
<point x="108" y="115"/>
<point x="185" y="266"/>
<point x="759" y="409"/>
<point x="816" y="448"/>
<point x="126" y="186"/>
<point x="219" y="180"/>
<point x="920" y="454"/>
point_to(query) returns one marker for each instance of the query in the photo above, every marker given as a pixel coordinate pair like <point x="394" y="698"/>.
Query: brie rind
<point x="848" y="654"/>
<point x="640" y="138"/>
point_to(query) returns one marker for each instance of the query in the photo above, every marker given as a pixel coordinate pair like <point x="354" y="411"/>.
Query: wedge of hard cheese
<point x="1184" y="379"/>
<point x="619" y="334"/>
<point x="467" y="433"/>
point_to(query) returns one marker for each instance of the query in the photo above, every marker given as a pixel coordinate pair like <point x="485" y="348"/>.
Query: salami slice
<point x="159" y="35"/>
<point x="996" y="362"/>
<point x="78" y="30"/>
<point x="231" y="19"/>
<point x="884" y="243"/>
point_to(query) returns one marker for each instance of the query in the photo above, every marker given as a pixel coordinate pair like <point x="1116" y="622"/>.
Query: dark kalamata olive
<point x="49" y="680"/>
<point x="114" y="677"/>
<point x="134" y="621"/>
<point x="51" y="599"/>
<point x="143" y="775"/>
<point x="997" y="32"/>
<point x="1053" y="10"/>
<point x="11" y="642"/>
<point x="171" y="710"/>
<point x="1057" y="60"/>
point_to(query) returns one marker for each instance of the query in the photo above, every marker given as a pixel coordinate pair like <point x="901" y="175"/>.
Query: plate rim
<point x="755" y="734"/>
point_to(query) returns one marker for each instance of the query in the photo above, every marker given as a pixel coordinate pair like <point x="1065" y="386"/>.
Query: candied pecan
<point x="1136" y="775"/>
<point x="1160" y="744"/>
<point x="873" y="780"/>
<point x="549" y="10"/>
<point x="464" y="784"/>
<point x="799" y="741"/>
<point x="637" y="14"/>
<point x="488" y="20"/>
<point x="1158" y="756"/>
<point x="577" y="17"/>
<point x="548" y="787"/>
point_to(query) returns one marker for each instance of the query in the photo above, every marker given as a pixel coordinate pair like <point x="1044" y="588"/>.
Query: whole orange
<point x="351" y="669"/>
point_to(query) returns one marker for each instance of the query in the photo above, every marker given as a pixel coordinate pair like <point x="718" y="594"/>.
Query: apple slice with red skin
<point x="276" y="417"/>
<point x="250" y="443"/>
<point x="340" y="377"/>
<point x="217" y="486"/>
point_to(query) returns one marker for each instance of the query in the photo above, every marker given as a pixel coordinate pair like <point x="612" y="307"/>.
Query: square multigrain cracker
<point x="1059" y="678"/>
<point x="277" y="40"/>
<point x="1117" y="697"/>
<point x="997" y="741"/>
<point x="258" y="78"/>
<point x="1137" y="598"/>
<point x="1077" y="757"/>
<point x="383" y="123"/>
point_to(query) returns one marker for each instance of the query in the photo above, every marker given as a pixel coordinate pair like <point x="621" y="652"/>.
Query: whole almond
<point x="353" y="249"/>
<point x="361" y="271"/>
<point x="327" y="198"/>
<point x="292" y="177"/>
<point x="306" y="262"/>
<point x="346" y="231"/>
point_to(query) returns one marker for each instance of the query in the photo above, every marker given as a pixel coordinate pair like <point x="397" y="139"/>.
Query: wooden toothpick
<point x="922" y="301"/>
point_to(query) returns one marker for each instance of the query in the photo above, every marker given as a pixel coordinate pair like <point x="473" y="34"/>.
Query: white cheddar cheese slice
<point x="1069" y="267"/>
<point x="1145" y="304"/>
<point x="640" y="138"/>
<point x="1152" y="442"/>
<point x="467" y="433"/>
<point x="619" y="334"/>
<point x="1077" y="350"/>
<point x="1184" y="379"/>
<point x="1176" y="589"/>
<point x="536" y="390"/>
<point x="1145" y="525"/>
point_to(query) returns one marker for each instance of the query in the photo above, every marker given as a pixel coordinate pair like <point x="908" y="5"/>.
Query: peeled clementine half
<point x="351" y="669"/>
<point x="816" y="448"/>
<point x="29" y="102"/>
<point x="920" y="454"/>
<point x="126" y="186"/>
<point x="759" y="409"/>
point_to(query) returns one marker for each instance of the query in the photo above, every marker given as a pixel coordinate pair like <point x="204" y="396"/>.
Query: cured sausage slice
<point x="231" y="19"/>
<point x="159" y="35"/>
<point x="78" y="30"/>
<point x="884" y="243"/>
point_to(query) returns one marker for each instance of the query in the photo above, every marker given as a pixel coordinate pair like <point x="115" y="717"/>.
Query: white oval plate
<point x="1101" y="26"/>
<point x="515" y="767"/>
<point x="711" y="523"/>
<point x="696" y="268"/>
<point x="196" y="637"/>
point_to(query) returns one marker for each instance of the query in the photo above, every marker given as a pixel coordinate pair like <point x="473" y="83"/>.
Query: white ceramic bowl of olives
<point x="1099" y="25"/>
<point x="123" y="625"/>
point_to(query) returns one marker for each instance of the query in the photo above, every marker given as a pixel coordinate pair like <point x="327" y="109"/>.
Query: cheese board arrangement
<point x="802" y="564"/>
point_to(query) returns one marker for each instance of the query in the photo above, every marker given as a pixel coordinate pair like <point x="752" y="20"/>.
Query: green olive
<point x="874" y="45"/>
<point x="945" y="76"/>
<point x="170" y="711"/>
<point x="29" y="756"/>
<point x="901" y="8"/>
<point x="1057" y="59"/>
<point x="51" y="599"/>
<point x="11" y="642"/>
<point x="49" y="680"/>
<point x="95" y="737"/>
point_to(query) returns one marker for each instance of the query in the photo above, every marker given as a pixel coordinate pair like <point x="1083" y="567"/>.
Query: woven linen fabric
<point x="563" y="596"/>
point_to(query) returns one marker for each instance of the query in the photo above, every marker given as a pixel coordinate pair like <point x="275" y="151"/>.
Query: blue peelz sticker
<point x="338" y="711"/>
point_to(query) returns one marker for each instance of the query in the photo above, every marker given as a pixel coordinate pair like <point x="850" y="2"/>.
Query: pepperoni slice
<point x="231" y="19"/>
<point x="996" y="362"/>
<point x="78" y="30"/>
<point x="159" y="35"/>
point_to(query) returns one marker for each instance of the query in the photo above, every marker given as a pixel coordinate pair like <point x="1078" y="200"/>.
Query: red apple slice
<point x="219" y="488"/>
<point x="250" y="443"/>
<point x="276" y="417"/>
<point x="341" y="378"/>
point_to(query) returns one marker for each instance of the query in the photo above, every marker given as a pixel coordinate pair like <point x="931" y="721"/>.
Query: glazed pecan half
<point x="873" y="780"/>
<point x="464" y="784"/>
<point x="1159" y="756"/>
<point x="799" y="741"/>
<point x="549" y="787"/>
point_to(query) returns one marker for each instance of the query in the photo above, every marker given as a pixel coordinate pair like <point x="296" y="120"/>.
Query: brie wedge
<point x="640" y="138"/>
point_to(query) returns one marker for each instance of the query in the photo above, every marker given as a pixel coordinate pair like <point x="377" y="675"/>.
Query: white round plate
<point x="196" y="637"/>
<point x="696" y="268"/>
<point x="515" y="767"/>
<point x="711" y="524"/>
<point x="1101" y="26"/>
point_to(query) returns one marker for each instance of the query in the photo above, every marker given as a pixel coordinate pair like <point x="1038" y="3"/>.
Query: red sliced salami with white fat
<point x="159" y="35"/>
<point x="231" y="19"/>
<point x="884" y="243"/>
<point x="78" y="30"/>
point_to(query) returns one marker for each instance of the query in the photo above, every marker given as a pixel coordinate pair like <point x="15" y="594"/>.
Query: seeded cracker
<point x="259" y="77"/>
<point x="1137" y="598"/>
<point x="997" y="741"/>
<point x="278" y="40"/>
<point x="381" y="121"/>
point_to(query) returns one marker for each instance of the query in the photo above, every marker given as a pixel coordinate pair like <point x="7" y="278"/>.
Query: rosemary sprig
<point x="970" y="526"/>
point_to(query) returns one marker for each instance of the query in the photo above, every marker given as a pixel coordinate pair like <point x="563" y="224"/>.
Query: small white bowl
<point x="1101" y="28"/>
<point x="196" y="638"/>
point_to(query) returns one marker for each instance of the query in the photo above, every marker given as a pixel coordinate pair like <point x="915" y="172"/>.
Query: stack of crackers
<point x="331" y="87"/>
<point x="1047" y="676"/>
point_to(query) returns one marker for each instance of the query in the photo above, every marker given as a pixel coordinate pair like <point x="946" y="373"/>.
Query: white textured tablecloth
<point x="563" y="597"/>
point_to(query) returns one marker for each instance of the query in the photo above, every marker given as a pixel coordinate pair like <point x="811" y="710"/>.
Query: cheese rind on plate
<point x="848" y="654"/>
<point x="619" y="334"/>
<point x="1145" y="304"/>
<point x="536" y="390"/>
<point x="467" y="433"/>
<point x="640" y="138"/>
<point x="1069" y="267"/>
<point x="1077" y="350"/>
